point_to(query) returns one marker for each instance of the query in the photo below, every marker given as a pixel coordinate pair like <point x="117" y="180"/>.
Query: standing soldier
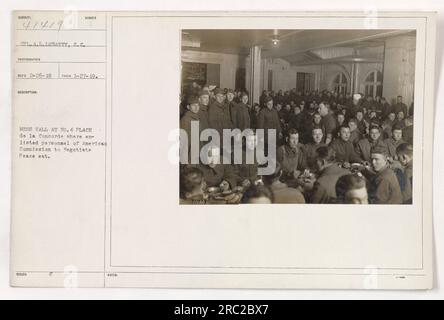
<point x="242" y="119"/>
<point x="400" y="106"/>
<point x="328" y="121"/>
<point x="219" y="113"/>
<point x="268" y="118"/>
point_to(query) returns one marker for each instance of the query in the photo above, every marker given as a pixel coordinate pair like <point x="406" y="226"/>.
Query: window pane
<point x="337" y="79"/>
<point x="344" y="79"/>
<point x="370" y="77"/>
<point x="379" y="76"/>
<point x="379" y="91"/>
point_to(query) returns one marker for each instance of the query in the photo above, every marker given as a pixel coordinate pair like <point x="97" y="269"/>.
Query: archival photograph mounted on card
<point x="222" y="150"/>
<point x="314" y="125"/>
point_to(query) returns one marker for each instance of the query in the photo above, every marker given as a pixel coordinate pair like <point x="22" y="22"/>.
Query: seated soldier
<point x="217" y="174"/>
<point x="344" y="149"/>
<point x="324" y="189"/>
<point x="248" y="169"/>
<point x="364" y="146"/>
<point x="355" y="135"/>
<point x="384" y="185"/>
<point x="407" y="132"/>
<point x="310" y="148"/>
<point x="291" y="156"/>
<point x="352" y="189"/>
<point x="405" y="155"/>
<point x="394" y="141"/>
<point x="192" y="186"/>
<point x="258" y="195"/>
<point x="282" y="193"/>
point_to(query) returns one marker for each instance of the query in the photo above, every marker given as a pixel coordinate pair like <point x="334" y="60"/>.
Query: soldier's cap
<point x="379" y="150"/>
<point x="193" y="100"/>
<point x="219" y="91"/>
<point x="204" y="93"/>
<point x="268" y="99"/>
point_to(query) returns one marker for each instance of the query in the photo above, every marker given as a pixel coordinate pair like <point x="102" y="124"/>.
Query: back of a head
<point x="347" y="183"/>
<point x="258" y="194"/>
<point x="326" y="154"/>
<point x="190" y="178"/>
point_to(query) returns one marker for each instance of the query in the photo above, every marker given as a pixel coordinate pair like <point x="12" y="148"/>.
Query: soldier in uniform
<point x="400" y="106"/>
<point x="291" y="156"/>
<point x="324" y="190"/>
<point x="364" y="146"/>
<point x="352" y="189"/>
<point x="219" y="117"/>
<point x="394" y="141"/>
<point x="310" y="148"/>
<point x="344" y="149"/>
<point x="405" y="155"/>
<point x="241" y="115"/>
<point x="328" y="121"/>
<point x="384" y="185"/>
<point x="268" y="118"/>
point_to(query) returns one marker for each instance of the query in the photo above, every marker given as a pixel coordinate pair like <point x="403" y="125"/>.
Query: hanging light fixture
<point x="275" y="40"/>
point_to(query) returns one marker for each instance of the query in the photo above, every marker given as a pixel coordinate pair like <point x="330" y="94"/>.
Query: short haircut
<point x="405" y="148"/>
<point x="353" y="120"/>
<point x="317" y="128"/>
<point x="347" y="183"/>
<point x="373" y="127"/>
<point x="326" y="153"/>
<point x="397" y="126"/>
<point x="344" y="126"/>
<point x="190" y="178"/>
<point x="292" y="131"/>
<point x="257" y="192"/>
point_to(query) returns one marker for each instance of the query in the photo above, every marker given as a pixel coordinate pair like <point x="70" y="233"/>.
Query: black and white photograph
<point x="297" y="116"/>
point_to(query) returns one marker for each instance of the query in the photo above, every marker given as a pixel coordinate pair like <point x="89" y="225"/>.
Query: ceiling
<point x="299" y="47"/>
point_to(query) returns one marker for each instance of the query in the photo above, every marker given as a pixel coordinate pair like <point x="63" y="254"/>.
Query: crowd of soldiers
<point x="331" y="148"/>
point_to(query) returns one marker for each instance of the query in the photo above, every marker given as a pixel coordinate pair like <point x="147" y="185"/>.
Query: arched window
<point x="340" y="83"/>
<point x="373" y="84"/>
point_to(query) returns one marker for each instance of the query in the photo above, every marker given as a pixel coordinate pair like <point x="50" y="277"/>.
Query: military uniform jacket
<point x="385" y="188"/>
<point x="345" y="152"/>
<point x="185" y="123"/>
<point x="329" y="123"/>
<point x="219" y="117"/>
<point x="291" y="159"/>
<point x="241" y="117"/>
<point x="324" y="190"/>
<point x="269" y="119"/>
<point x="392" y="145"/>
<point x="214" y="176"/>
<point x="364" y="146"/>
<point x="284" y="194"/>
<point x="247" y="171"/>
<point x="310" y="153"/>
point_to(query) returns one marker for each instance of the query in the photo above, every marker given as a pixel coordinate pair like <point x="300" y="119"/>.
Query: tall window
<point x="340" y="83"/>
<point x="373" y="84"/>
